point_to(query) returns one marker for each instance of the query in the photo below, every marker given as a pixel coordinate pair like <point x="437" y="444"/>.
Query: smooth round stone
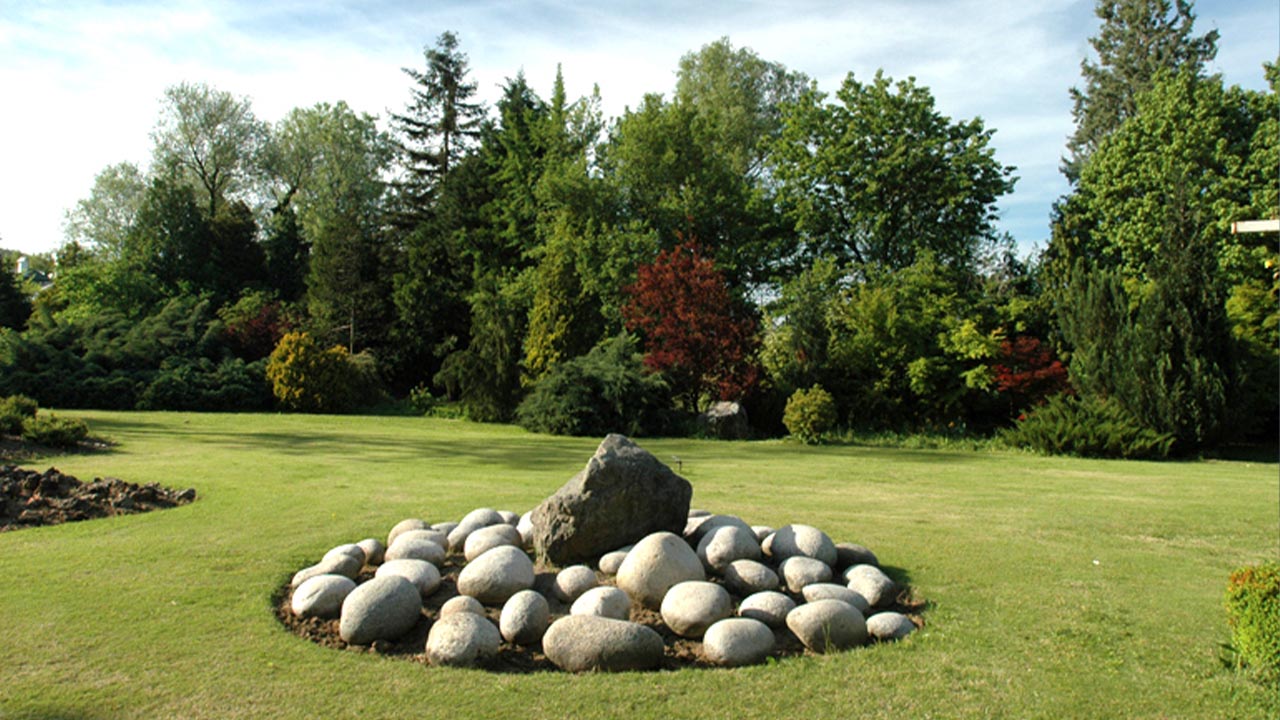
<point x="699" y="527"/>
<point x="766" y="545"/>
<point x="745" y="577"/>
<point x="579" y="643"/>
<point x="383" y="608"/>
<point x="734" y="642"/>
<point x="611" y="561"/>
<point x="828" y="625"/>
<point x="374" y="551"/>
<point x="572" y="581"/>
<point x="699" y="513"/>
<point x="445" y="527"/>
<point x="871" y="583"/>
<point x="885" y="626"/>
<point x="799" y="571"/>
<point x="488" y="538"/>
<point x="762" y="532"/>
<point x="421" y="573"/>
<point x="849" y="554"/>
<point x="727" y="543"/>
<point x="352" y="549"/>
<point x="496" y="575"/>
<point x="524" y="618"/>
<point x="435" y="536"/>
<point x="656" y="563"/>
<point x="461" y="604"/>
<point x="340" y="564"/>
<point x="509" y="517"/>
<point x="415" y="548"/>
<point x="691" y="607"/>
<point x="832" y="591"/>
<point x="321" y="596"/>
<point x="524" y="526"/>
<point x="603" y="601"/>
<point x="462" y="640"/>
<point x="803" y="541"/>
<point x="472" y="521"/>
<point x="405" y="526"/>
<point x="769" y="607"/>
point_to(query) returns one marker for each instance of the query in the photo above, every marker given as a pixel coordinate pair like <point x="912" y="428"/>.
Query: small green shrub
<point x="810" y="414"/>
<point x="1069" y="425"/>
<point x="54" y="431"/>
<point x="607" y="390"/>
<point x="1253" y="614"/>
<point x="13" y="411"/>
<point x="422" y="401"/>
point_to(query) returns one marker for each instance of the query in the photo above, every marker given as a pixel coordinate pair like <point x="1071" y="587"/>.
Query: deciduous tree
<point x="695" y="332"/>
<point x="1138" y="40"/>
<point x="213" y="137"/>
<point x="881" y="176"/>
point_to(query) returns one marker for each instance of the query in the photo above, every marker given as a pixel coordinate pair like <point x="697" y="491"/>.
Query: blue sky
<point x="82" y="79"/>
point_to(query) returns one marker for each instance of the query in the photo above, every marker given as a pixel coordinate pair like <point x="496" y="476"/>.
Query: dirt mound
<point x="29" y="498"/>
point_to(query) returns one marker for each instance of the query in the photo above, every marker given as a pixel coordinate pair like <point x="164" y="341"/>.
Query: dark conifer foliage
<point x="440" y="123"/>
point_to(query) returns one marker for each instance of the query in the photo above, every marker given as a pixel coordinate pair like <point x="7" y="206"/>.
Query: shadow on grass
<point x="1257" y="453"/>
<point x="516" y="453"/>
<point x="15" y="451"/>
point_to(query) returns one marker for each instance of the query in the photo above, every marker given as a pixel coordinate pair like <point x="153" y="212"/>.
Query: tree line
<point x="746" y="236"/>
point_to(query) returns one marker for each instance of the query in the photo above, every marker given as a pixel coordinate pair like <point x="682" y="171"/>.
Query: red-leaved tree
<point x="695" y="332"/>
<point x="1027" y="373"/>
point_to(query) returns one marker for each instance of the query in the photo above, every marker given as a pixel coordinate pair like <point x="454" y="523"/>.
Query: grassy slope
<point x="1060" y="588"/>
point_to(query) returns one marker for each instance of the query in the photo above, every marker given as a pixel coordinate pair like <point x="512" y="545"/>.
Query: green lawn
<point x="1058" y="587"/>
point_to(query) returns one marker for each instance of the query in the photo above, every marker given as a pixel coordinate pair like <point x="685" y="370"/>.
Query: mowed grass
<point x="1057" y="587"/>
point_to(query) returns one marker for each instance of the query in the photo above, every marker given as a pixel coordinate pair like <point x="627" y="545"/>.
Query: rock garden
<point x="29" y="498"/>
<point x="613" y="572"/>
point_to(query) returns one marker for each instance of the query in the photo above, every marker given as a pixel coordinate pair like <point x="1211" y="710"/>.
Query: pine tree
<point x="1137" y="40"/>
<point x="15" y="307"/>
<point x="439" y="123"/>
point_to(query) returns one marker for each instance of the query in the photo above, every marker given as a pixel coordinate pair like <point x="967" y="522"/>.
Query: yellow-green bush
<point x="1253" y="613"/>
<point x="307" y="378"/>
<point x="810" y="414"/>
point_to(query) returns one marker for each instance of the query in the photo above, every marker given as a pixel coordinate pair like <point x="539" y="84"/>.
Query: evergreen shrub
<point x="607" y="390"/>
<point x="1087" y="427"/>
<point x="54" y="431"/>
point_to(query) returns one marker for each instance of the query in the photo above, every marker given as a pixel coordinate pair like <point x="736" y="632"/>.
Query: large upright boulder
<point x="623" y="494"/>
